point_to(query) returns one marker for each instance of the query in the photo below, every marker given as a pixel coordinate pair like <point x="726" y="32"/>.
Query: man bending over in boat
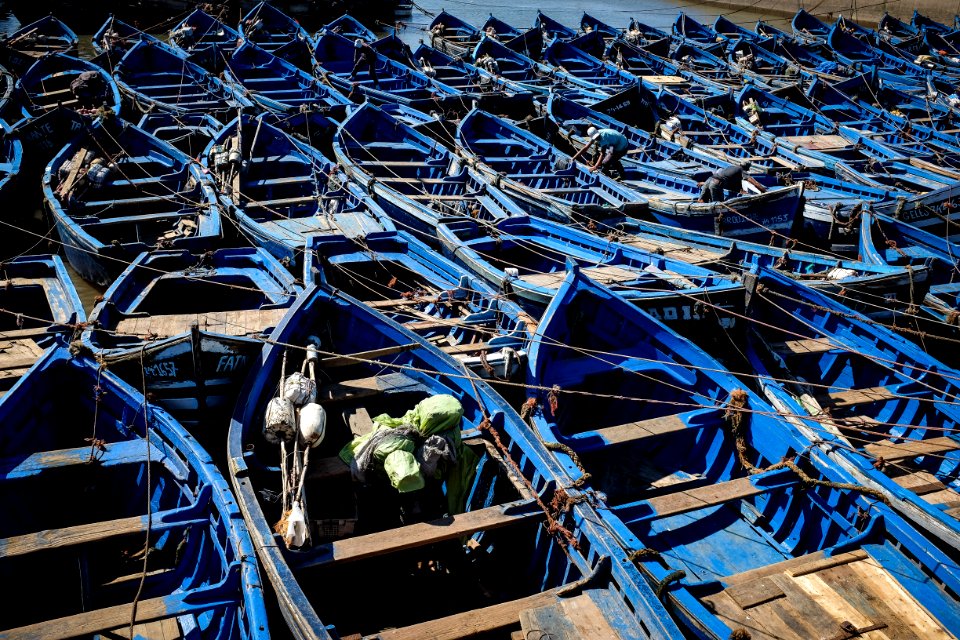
<point x="727" y="183"/>
<point x="612" y="144"/>
<point x="365" y="56"/>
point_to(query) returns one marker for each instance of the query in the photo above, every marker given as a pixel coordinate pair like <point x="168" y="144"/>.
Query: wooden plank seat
<point x="345" y="361"/>
<point x="633" y="432"/>
<point x="604" y="274"/>
<point x="97" y="531"/>
<point x="841" y="399"/>
<point x="804" y="346"/>
<point x="469" y="624"/>
<point x="118" y="617"/>
<point x="231" y="323"/>
<point x="841" y="596"/>
<point x="713" y="495"/>
<point x="114" y="453"/>
<point x="349" y="390"/>
<point x="892" y="451"/>
<point x="568" y="619"/>
<point x="281" y="202"/>
<point x="417" y="535"/>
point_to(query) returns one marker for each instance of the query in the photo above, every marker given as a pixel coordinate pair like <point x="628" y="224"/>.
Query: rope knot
<point x="528" y="407"/>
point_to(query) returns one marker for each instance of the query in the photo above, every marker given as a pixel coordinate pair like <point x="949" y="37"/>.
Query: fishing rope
<point x="149" y="485"/>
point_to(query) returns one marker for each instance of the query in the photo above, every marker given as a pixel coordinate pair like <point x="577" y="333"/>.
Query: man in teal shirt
<point x="613" y="145"/>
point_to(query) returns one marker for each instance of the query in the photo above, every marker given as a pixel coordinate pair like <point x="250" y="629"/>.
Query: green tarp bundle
<point x="395" y="451"/>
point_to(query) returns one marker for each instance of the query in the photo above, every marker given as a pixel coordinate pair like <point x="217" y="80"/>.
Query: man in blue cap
<point x="612" y="144"/>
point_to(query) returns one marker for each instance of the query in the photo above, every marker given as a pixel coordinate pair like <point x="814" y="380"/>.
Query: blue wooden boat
<point x="452" y="35"/>
<point x="807" y="27"/>
<point x="552" y="29"/>
<point x="696" y="469"/>
<point x="589" y="24"/>
<point x="885" y="404"/>
<point x="115" y="37"/>
<point x="492" y="496"/>
<point x="811" y="57"/>
<point x="710" y="69"/>
<point x="886" y="286"/>
<point x="55" y="80"/>
<point x="767" y="30"/>
<point x="20" y="49"/>
<point x="118" y="478"/>
<point x="707" y="127"/>
<point x="656" y="71"/>
<point x="398" y="276"/>
<point x="116" y="191"/>
<point x="275" y="84"/>
<point x="594" y="73"/>
<point x="282" y="192"/>
<point x="498" y="29"/>
<point x="756" y="62"/>
<point x="190" y="326"/>
<point x="469" y="79"/>
<point x="921" y="21"/>
<point x="270" y="28"/>
<point x="11" y="156"/>
<point x="205" y="38"/>
<point x="527" y="257"/>
<point x="541" y="179"/>
<point x="571" y="120"/>
<point x="190" y="133"/>
<point x="690" y="30"/>
<point x="39" y="302"/>
<point x="520" y="68"/>
<point x="153" y="76"/>
<point x="726" y="27"/>
<point x="348" y="27"/>
<point x="397" y="82"/>
<point x="885" y="240"/>
<point x="858" y="54"/>
<point x="894" y="29"/>
<point x="416" y="180"/>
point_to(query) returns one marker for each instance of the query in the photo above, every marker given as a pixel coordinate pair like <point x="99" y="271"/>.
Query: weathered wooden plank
<point x="901" y="604"/>
<point x="789" y="564"/>
<point x="348" y="390"/>
<point x="91" y="622"/>
<point x="920" y="482"/>
<point x="826" y="563"/>
<point x="702" y="497"/>
<point x="470" y="623"/>
<point x="634" y="431"/>
<point x="417" y="535"/>
<point x="890" y="450"/>
<point x="9" y="362"/>
<point x="587" y="618"/>
<point x="115" y="453"/>
<point x="799" y="347"/>
<point x="372" y="354"/>
<point x="81" y="534"/>
<point x="233" y="323"/>
<point x="755" y="592"/>
<point x="859" y="396"/>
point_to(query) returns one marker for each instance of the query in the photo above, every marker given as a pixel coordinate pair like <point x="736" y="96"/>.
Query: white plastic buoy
<point x="296" y="534"/>
<point x="313" y="424"/>
<point x="299" y="389"/>
<point x="279" y="421"/>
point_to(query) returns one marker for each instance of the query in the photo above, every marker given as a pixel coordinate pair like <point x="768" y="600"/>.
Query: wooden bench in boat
<point x="804" y="346"/>
<point x="349" y="390"/>
<point x="117" y="618"/>
<point x="567" y="619"/>
<point x="86" y="533"/>
<point x="687" y="254"/>
<point x="892" y="451"/>
<point x="471" y="623"/>
<point x="416" y="535"/>
<point x="850" y="397"/>
<point x="702" y="497"/>
<point x="815" y="596"/>
<point x="231" y="323"/>
<point x="604" y="274"/>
